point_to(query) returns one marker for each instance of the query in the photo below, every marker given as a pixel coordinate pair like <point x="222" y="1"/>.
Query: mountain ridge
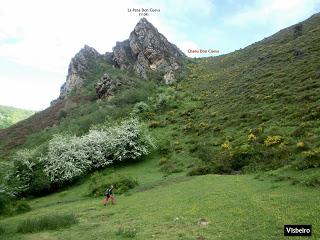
<point x="145" y="50"/>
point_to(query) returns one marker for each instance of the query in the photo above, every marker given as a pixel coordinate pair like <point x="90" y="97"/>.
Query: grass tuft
<point x="126" y="232"/>
<point x="47" y="222"/>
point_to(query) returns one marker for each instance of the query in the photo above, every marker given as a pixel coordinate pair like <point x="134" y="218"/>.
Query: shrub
<point x="22" y="207"/>
<point x="205" y="152"/>
<point x="122" y="184"/>
<point x="47" y="222"/>
<point x="140" y="107"/>
<point x="129" y="141"/>
<point x="165" y="100"/>
<point x="20" y="176"/>
<point x="164" y="147"/>
<point x="62" y="113"/>
<point x="162" y="101"/>
<point x="241" y="156"/>
<point x="212" y="168"/>
<point x="200" y="170"/>
<point x="27" y="175"/>
<point x="137" y="93"/>
<point x="273" y="140"/>
<point x="310" y="159"/>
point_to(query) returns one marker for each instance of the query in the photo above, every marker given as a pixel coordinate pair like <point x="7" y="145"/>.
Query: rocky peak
<point x="77" y="69"/>
<point x="147" y="49"/>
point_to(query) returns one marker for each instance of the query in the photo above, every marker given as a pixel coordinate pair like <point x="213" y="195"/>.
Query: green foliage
<point x="273" y="140"/>
<point x="310" y="159"/>
<point x="140" y="107"/>
<point x="165" y="99"/>
<point x="200" y="170"/>
<point x="204" y="152"/>
<point x="11" y="115"/>
<point x="140" y="91"/>
<point x="27" y="174"/>
<point x="5" y="202"/>
<point x="22" y="206"/>
<point x="121" y="184"/>
<point x="164" y="147"/>
<point x="2" y="230"/>
<point x="46" y="222"/>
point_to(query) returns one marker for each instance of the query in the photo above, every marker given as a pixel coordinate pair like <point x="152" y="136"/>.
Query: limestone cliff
<point x="145" y="50"/>
<point x="77" y="68"/>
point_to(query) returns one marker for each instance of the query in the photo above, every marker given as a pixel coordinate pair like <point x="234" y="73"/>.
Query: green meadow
<point x="177" y="207"/>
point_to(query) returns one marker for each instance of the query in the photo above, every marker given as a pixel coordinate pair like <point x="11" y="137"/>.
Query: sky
<point x="38" y="38"/>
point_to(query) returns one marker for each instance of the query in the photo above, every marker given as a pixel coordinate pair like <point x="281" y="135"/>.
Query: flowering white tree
<point x="66" y="159"/>
<point x="70" y="156"/>
<point x="97" y="147"/>
<point x="129" y="141"/>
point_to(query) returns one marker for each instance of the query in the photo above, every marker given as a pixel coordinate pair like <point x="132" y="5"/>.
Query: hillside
<point x="11" y="115"/>
<point x="266" y="91"/>
<point x="249" y="120"/>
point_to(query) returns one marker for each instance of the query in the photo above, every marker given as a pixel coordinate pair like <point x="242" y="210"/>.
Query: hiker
<point x="109" y="195"/>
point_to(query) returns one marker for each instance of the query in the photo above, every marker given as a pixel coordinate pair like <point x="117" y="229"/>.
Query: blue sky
<point x="38" y="38"/>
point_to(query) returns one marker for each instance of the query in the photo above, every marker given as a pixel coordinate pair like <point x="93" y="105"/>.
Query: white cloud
<point x="278" y="13"/>
<point x="28" y="92"/>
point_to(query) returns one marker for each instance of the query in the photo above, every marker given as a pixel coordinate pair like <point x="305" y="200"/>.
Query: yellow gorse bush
<point x="226" y="145"/>
<point x="300" y="144"/>
<point x="251" y="137"/>
<point x="272" y="140"/>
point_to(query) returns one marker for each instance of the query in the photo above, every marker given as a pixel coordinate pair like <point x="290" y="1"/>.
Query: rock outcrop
<point x="77" y="68"/>
<point x="107" y="86"/>
<point x="147" y="49"/>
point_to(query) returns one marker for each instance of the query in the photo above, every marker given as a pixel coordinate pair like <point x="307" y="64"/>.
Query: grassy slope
<point x="11" y="115"/>
<point x="236" y="207"/>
